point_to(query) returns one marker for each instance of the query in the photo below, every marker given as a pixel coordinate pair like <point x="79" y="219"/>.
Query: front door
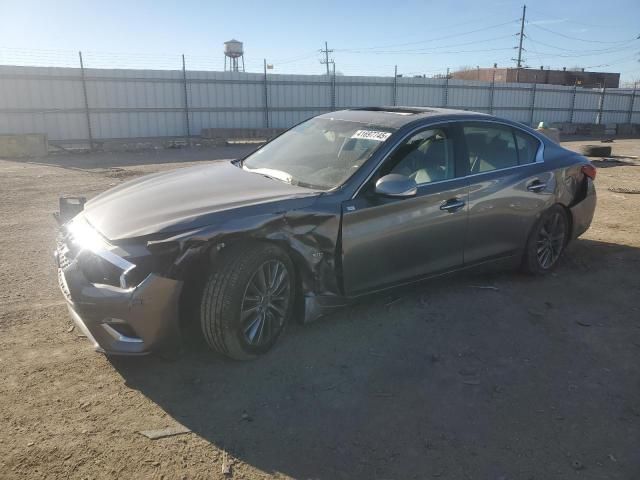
<point x="386" y="241"/>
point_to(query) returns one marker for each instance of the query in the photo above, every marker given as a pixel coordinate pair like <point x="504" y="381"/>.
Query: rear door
<point x="385" y="240"/>
<point x="508" y="189"/>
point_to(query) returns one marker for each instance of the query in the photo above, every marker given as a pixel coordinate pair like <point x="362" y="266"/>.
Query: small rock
<point x="30" y="444"/>
<point x="612" y="458"/>
<point x="582" y="323"/>
<point x="471" y="382"/>
<point x="70" y="329"/>
<point x="577" y="465"/>
<point x="246" y="417"/>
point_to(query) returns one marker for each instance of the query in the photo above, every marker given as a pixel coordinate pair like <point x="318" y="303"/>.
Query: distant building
<point x="532" y="75"/>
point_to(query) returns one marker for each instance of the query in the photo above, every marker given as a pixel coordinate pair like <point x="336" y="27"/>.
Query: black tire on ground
<point x="226" y="291"/>
<point x="596" y="151"/>
<point x="534" y="260"/>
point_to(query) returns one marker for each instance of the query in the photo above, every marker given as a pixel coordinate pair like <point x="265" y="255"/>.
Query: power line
<point x="429" y="40"/>
<point x="420" y="50"/>
<point x="606" y="50"/>
<point x="580" y="39"/>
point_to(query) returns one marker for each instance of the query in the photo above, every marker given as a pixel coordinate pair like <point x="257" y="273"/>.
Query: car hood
<point x="182" y="199"/>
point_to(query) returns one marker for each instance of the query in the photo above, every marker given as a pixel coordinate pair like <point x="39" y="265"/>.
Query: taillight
<point x="589" y="170"/>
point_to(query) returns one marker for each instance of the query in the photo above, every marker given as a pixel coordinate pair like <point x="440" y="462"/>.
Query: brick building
<point x="532" y="75"/>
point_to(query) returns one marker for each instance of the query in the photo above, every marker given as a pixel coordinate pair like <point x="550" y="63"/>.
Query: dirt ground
<point x="533" y="378"/>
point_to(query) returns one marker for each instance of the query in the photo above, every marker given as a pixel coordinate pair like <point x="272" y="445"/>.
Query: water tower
<point x="233" y="50"/>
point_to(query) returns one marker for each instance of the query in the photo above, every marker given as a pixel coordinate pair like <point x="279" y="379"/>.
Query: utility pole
<point x="524" y="13"/>
<point x="326" y="60"/>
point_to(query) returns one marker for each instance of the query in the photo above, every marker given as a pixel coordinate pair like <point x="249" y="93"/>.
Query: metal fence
<point x="82" y="104"/>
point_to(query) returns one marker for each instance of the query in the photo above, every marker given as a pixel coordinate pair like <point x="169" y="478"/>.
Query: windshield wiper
<point x="271" y="173"/>
<point x="299" y="183"/>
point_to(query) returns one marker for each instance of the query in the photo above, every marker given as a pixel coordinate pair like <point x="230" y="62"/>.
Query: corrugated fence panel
<point x="363" y="91"/>
<point x="421" y="92"/>
<point x="619" y="100"/>
<point x="135" y="103"/>
<point x="294" y="98"/>
<point x="512" y="101"/>
<point x="586" y="106"/>
<point x="41" y="100"/>
<point x="469" y="95"/>
<point x="125" y="103"/>
<point x="552" y="104"/>
<point x="225" y="100"/>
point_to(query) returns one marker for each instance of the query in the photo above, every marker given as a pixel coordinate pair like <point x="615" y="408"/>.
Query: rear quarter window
<point x="527" y="147"/>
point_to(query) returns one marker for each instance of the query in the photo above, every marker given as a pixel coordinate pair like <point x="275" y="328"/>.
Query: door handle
<point x="452" y="205"/>
<point x="536" y="186"/>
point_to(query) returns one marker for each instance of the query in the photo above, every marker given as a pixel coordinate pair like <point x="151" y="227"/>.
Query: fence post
<point x="186" y="99"/>
<point x="532" y="107"/>
<point x="573" y="102"/>
<point x="633" y="101"/>
<point x="86" y="102"/>
<point x="601" y="105"/>
<point x="333" y="88"/>
<point x="395" y="86"/>
<point x="491" y="92"/>
<point x="266" y="97"/>
<point x="446" y="91"/>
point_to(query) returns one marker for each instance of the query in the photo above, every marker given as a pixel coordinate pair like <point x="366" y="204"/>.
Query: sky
<point x="368" y="37"/>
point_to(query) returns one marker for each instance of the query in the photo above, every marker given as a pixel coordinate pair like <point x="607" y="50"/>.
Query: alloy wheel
<point x="550" y="242"/>
<point x="265" y="303"/>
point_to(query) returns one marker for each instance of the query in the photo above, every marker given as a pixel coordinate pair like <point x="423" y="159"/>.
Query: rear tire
<point x="247" y="300"/>
<point x="546" y="241"/>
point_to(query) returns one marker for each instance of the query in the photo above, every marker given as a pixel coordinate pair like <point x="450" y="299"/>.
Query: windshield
<point x="319" y="153"/>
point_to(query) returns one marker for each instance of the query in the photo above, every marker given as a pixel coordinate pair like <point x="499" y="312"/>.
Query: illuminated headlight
<point x="84" y="236"/>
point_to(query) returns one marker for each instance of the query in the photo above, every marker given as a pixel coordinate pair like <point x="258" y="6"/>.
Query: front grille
<point x="63" y="285"/>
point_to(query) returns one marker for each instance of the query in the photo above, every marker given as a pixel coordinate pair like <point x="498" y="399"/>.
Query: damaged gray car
<point x="342" y="205"/>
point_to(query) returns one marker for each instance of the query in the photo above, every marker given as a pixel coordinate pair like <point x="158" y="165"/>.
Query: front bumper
<point x="122" y="321"/>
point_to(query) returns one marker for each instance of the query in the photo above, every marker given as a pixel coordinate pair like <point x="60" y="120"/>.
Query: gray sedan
<point x="340" y="206"/>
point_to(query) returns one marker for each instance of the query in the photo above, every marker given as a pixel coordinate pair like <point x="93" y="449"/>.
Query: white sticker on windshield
<point x="371" y="135"/>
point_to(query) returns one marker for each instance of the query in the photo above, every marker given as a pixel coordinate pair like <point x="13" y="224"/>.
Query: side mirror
<point x="396" y="185"/>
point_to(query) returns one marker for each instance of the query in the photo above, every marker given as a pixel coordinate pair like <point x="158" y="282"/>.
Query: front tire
<point x="546" y="241"/>
<point x="247" y="301"/>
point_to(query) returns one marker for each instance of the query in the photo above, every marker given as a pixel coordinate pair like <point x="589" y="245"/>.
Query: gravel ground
<point x="533" y="378"/>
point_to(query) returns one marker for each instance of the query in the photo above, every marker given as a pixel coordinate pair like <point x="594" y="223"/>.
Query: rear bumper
<point x="123" y="321"/>
<point x="583" y="211"/>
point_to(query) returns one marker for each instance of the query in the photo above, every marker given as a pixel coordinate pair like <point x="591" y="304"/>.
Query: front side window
<point x="320" y="153"/>
<point x="426" y="157"/>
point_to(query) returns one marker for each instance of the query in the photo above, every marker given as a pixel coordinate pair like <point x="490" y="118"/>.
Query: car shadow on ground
<point x="615" y="161"/>
<point x="498" y="375"/>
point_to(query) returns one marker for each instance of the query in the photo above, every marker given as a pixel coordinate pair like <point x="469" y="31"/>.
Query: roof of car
<point x="396" y="117"/>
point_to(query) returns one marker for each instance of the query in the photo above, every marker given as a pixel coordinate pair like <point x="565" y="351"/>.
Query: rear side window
<point x="527" y="147"/>
<point x="490" y="147"/>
